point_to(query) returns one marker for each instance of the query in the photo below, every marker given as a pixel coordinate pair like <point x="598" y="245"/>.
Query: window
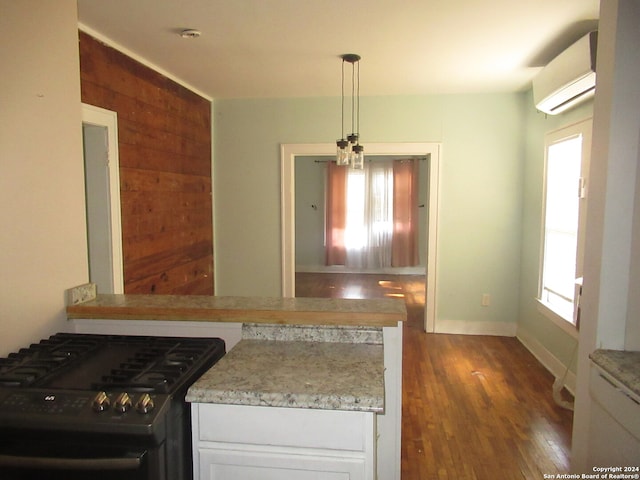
<point x="372" y="215"/>
<point x="369" y="206"/>
<point x="566" y="169"/>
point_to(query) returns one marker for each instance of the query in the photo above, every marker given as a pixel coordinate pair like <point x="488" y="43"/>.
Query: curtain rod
<point x="422" y="159"/>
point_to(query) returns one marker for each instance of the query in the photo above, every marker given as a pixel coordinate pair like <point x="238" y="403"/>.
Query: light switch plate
<point x="486" y="300"/>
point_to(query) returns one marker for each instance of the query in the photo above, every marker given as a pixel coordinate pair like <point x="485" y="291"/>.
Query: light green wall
<point x="309" y="186"/>
<point x="480" y="205"/>
<point x="480" y="199"/>
<point x="531" y="323"/>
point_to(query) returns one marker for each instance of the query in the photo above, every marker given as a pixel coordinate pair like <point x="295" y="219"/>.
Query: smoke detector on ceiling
<point x="190" y="33"/>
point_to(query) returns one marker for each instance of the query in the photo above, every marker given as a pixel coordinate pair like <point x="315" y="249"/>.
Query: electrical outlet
<point x="486" y="300"/>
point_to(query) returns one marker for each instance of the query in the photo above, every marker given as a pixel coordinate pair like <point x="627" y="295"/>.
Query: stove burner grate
<point x="152" y="369"/>
<point x="30" y="365"/>
<point x="105" y="362"/>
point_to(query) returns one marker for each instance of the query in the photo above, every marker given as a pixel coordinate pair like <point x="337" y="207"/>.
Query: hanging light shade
<point x="357" y="157"/>
<point x="342" y="154"/>
<point x="349" y="151"/>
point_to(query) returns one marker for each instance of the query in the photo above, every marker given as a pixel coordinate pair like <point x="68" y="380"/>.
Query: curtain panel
<point x="404" y="249"/>
<point x="336" y="214"/>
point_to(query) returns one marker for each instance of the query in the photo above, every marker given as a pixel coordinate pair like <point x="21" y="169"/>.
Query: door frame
<point x="101" y="117"/>
<point x="288" y="154"/>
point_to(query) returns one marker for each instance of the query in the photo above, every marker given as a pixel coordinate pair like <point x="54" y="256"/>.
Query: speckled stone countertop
<point x="273" y="310"/>
<point x="307" y="367"/>
<point x="313" y="333"/>
<point x="624" y="366"/>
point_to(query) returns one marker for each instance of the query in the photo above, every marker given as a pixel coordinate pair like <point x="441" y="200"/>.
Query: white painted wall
<point x="611" y="270"/>
<point x="632" y="331"/>
<point x="42" y="236"/>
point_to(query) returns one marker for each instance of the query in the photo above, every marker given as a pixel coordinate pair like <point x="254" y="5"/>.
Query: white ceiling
<point x="291" y="48"/>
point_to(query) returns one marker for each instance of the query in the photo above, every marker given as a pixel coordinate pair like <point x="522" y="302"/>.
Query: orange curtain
<point x="404" y="245"/>
<point x="336" y="214"/>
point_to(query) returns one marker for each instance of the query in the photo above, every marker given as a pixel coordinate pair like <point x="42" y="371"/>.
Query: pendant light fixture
<point x="349" y="151"/>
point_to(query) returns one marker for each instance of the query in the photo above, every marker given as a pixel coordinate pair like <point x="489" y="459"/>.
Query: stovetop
<point x="101" y="362"/>
<point x="101" y="382"/>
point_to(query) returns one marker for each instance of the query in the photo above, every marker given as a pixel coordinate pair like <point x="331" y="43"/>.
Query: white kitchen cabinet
<point x="238" y="442"/>
<point x="615" y="422"/>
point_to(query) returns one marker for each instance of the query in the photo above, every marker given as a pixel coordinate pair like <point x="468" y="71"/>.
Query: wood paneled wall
<point x="164" y="135"/>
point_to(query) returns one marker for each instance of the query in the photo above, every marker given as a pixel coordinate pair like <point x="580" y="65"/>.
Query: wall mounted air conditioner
<point x="568" y="79"/>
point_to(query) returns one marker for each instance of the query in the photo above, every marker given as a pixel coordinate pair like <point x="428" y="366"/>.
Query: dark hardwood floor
<point x="474" y="407"/>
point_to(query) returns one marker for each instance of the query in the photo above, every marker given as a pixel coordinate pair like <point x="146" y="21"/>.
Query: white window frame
<point x="583" y="129"/>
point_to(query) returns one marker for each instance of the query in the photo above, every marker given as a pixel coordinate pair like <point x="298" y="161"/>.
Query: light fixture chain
<point x="353" y="99"/>
<point x="358" y="110"/>
<point x="342" y="107"/>
<point x="349" y="151"/>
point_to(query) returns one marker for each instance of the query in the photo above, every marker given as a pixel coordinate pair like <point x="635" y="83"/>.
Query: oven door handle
<point x="118" y="463"/>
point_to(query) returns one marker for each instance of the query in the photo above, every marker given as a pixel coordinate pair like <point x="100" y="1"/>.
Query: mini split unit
<point x="568" y="79"/>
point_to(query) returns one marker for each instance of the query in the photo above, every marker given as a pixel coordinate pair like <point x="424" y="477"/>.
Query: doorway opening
<point x="102" y="198"/>
<point x="292" y="154"/>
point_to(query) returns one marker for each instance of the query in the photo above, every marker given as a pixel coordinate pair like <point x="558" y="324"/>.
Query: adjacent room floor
<point x="474" y="407"/>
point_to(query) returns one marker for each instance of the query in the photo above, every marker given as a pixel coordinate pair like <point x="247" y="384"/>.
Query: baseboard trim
<point x="465" y="327"/>
<point x="547" y="359"/>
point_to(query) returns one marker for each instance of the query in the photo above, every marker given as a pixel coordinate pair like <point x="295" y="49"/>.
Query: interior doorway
<point x="102" y="198"/>
<point x="290" y="153"/>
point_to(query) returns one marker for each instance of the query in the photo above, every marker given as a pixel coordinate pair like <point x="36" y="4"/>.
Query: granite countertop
<point x="272" y="310"/>
<point x="623" y="366"/>
<point x="334" y="368"/>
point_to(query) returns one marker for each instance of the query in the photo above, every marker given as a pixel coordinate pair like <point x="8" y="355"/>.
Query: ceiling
<point x="292" y="48"/>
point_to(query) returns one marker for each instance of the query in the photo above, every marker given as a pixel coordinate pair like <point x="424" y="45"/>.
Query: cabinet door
<point x="277" y="464"/>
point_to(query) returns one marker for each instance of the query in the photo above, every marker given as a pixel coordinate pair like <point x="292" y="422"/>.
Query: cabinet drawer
<point x="248" y="464"/>
<point x="295" y="427"/>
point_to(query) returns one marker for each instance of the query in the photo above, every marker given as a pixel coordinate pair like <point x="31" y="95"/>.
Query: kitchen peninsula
<point x="365" y="335"/>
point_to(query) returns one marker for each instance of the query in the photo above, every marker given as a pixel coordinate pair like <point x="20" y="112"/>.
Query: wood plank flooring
<point x="474" y="407"/>
<point x="356" y="285"/>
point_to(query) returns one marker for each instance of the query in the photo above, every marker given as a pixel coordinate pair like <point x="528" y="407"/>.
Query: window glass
<point x="566" y="168"/>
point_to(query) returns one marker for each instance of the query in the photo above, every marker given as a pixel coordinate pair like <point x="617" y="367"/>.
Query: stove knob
<point x="123" y="403"/>
<point x="101" y="402"/>
<point x="145" y="404"/>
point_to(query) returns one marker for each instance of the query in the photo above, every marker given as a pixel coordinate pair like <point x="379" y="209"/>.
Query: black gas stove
<point x="76" y="405"/>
